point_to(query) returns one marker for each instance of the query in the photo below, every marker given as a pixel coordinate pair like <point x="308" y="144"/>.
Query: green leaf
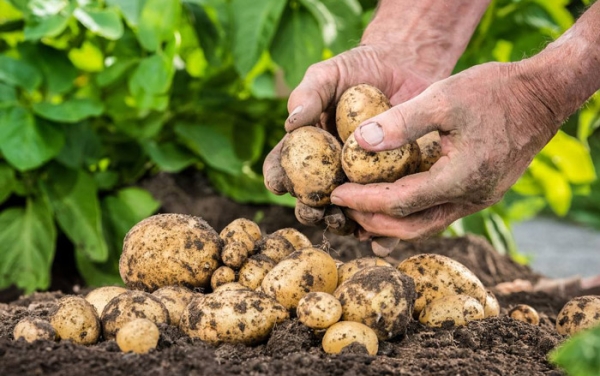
<point x="70" y="111"/>
<point x="58" y="72"/>
<point x="114" y="72"/>
<point x="8" y="181"/>
<point x="571" y="157"/>
<point x="207" y="32"/>
<point x="19" y="73"/>
<point x="249" y="140"/>
<point x="74" y="197"/>
<point x="557" y="190"/>
<point x="153" y="75"/>
<point x="253" y="30"/>
<point x="130" y="9"/>
<point x="27" y="245"/>
<point x="37" y="28"/>
<point x="25" y="141"/>
<point x="82" y="147"/>
<point x="169" y="156"/>
<point x="525" y="209"/>
<point x="8" y="96"/>
<point x="88" y="57"/>
<point x="45" y="8"/>
<point x="104" y="22"/>
<point x="579" y="355"/>
<point x="157" y="23"/>
<point x="297" y="45"/>
<point x="339" y="20"/>
<point x="247" y="187"/>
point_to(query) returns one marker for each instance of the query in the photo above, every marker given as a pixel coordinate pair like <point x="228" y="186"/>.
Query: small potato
<point x="232" y="316"/>
<point x="525" y="313"/>
<point x="254" y="271"/>
<point x="578" y="314"/>
<point x="347" y="270"/>
<point x="345" y="333"/>
<point x="222" y="276"/>
<point x="357" y="104"/>
<point x="33" y="329"/>
<point x="319" y="310"/>
<point x="380" y="297"/>
<point x="100" y="297"/>
<point x="437" y="276"/>
<point x="169" y="249"/>
<point x="138" y="336"/>
<point x="311" y="159"/>
<point x="132" y="305"/>
<point x="234" y="254"/>
<point x="175" y="299"/>
<point x="275" y="247"/>
<point x="294" y="236"/>
<point x="430" y="146"/>
<point x="304" y="271"/>
<point x="75" y="319"/>
<point x="242" y="230"/>
<point x="491" y="308"/>
<point x="452" y="310"/>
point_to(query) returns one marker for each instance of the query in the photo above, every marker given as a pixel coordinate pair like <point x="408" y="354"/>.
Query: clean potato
<point x="294" y="236"/>
<point x="380" y="297"/>
<point x="437" y="276"/>
<point x="319" y="310"/>
<point x="578" y="314"/>
<point x="169" y="249"/>
<point x="254" y="271"/>
<point x="452" y="310"/>
<point x="525" y="313"/>
<point x="311" y="159"/>
<point x="175" y="299"/>
<point x="32" y="329"/>
<point x="430" y="146"/>
<point x="138" y="336"/>
<point x="348" y="269"/>
<point x="100" y="296"/>
<point x="75" y="319"/>
<point x="345" y="333"/>
<point x="357" y="104"/>
<point x="306" y="270"/>
<point x="222" y="276"/>
<point x="232" y="316"/>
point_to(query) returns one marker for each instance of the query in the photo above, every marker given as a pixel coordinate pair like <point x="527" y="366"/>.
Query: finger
<point x="274" y="175"/>
<point x="383" y="246"/>
<point x="307" y="215"/>
<point x="337" y="222"/>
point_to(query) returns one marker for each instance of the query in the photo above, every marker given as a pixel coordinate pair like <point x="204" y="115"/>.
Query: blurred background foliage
<point x="96" y="94"/>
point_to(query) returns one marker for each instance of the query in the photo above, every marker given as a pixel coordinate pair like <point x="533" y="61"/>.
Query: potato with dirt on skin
<point x="242" y="230"/>
<point x="222" y="276"/>
<point x="32" y="329"/>
<point x="232" y="316"/>
<point x="138" y="336"/>
<point x="348" y="269"/>
<point x="100" y="296"/>
<point x="231" y="286"/>
<point x="275" y="247"/>
<point x="380" y="297"/>
<point x="132" y="305"/>
<point x="491" y="308"/>
<point x="430" y="147"/>
<point x="311" y="159"/>
<point x="319" y="310"/>
<point x="437" y="276"/>
<point x="175" y="299"/>
<point x="524" y="313"/>
<point x="346" y="333"/>
<point x="306" y="270"/>
<point x="170" y="249"/>
<point x="579" y="313"/>
<point x="357" y="104"/>
<point x="452" y="310"/>
<point x="254" y="270"/>
<point x="294" y="236"/>
<point x="235" y="253"/>
<point x="75" y="319"/>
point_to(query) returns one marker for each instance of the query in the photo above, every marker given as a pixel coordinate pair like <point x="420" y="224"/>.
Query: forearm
<point x="433" y="33"/>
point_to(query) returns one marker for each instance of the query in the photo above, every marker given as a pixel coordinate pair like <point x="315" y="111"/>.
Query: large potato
<point x="345" y="333"/>
<point x="380" y="297"/>
<point x="75" y="319"/>
<point x="311" y="159"/>
<point x="306" y="270"/>
<point x="169" y="249"/>
<point x="294" y="236"/>
<point x="232" y="316"/>
<point x="579" y="313"/>
<point x="437" y="276"/>
<point x="357" y="104"/>
<point x="452" y="310"/>
<point x="348" y="269"/>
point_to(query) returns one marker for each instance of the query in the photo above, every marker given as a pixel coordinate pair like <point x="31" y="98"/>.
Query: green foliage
<point x="580" y="354"/>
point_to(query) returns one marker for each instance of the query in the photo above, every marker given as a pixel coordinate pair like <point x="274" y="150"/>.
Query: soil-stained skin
<point x="577" y="314"/>
<point x="525" y="313"/>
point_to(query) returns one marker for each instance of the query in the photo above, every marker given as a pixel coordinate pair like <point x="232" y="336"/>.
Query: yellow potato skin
<point x="453" y="310"/>
<point x="430" y="147"/>
<point x="33" y="329"/>
<point x="357" y="104"/>
<point x="491" y="307"/>
<point x="579" y="313"/>
<point x="345" y="333"/>
<point x="100" y="297"/>
<point x="222" y="276"/>
<point x="294" y="236"/>
<point x="76" y="319"/>
<point x="175" y="299"/>
<point x="319" y="310"/>
<point x="254" y="271"/>
<point x="525" y="313"/>
<point x="241" y="230"/>
<point x="138" y="336"/>
<point x="348" y="269"/>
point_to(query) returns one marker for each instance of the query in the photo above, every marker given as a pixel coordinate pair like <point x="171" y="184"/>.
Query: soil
<point x="493" y="346"/>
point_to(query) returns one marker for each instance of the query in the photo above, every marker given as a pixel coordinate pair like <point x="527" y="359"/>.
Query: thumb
<point x="401" y="124"/>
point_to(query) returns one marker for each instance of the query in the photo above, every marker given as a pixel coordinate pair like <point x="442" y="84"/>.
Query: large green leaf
<point x="340" y="22"/>
<point x="247" y="187"/>
<point x="82" y="146"/>
<point x="253" y="30"/>
<point x="37" y="28"/>
<point x="169" y="156"/>
<point x="298" y="44"/>
<point x="130" y="9"/>
<point x="25" y="141"/>
<point x="74" y="197"/>
<point x="116" y="71"/>
<point x="557" y="190"/>
<point x="8" y="96"/>
<point x="153" y="75"/>
<point x="578" y="355"/>
<point x="27" y="245"/>
<point x="158" y="22"/>
<point x="571" y="157"/>
<point x="104" y="22"/>
<point x="70" y="111"/>
<point x="7" y="181"/>
<point x="19" y="73"/>
<point x="88" y="57"/>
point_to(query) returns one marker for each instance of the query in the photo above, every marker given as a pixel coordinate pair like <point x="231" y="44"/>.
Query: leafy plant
<point x="580" y="354"/>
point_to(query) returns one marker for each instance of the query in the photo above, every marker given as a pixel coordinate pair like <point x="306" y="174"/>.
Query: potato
<point x="294" y="236"/>
<point x="275" y="247"/>
<point x="578" y="314"/>
<point x="306" y="270"/>
<point x="345" y="333"/>
<point x="138" y="336"/>
<point x="363" y="167"/>
<point x="235" y="253"/>
<point x="32" y="329"/>
<point x="175" y="299"/>
<point x="75" y="319"/>
<point x="319" y="310"/>
<point x="232" y="316"/>
<point x="100" y="297"/>
<point x="357" y="104"/>
<point x="254" y="271"/>
<point x="525" y="313"/>
<point x="380" y="297"/>
<point x="132" y="305"/>
<point x="222" y="276"/>
<point x="491" y="308"/>
<point x="437" y="276"/>
<point x="231" y="286"/>
<point x="169" y="249"/>
<point x="241" y="230"/>
<point x="451" y="310"/>
<point x="430" y="147"/>
<point x="347" y="270"/>
<point x="311" y="159"/>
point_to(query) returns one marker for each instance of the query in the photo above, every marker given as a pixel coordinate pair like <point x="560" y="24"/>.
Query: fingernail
<point x="292" y="117"/>
<point x="372" y="133"/>
<point x="336" y="200"/>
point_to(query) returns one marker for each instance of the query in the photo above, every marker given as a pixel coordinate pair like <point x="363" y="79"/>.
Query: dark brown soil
<point x="494" y="346"/>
